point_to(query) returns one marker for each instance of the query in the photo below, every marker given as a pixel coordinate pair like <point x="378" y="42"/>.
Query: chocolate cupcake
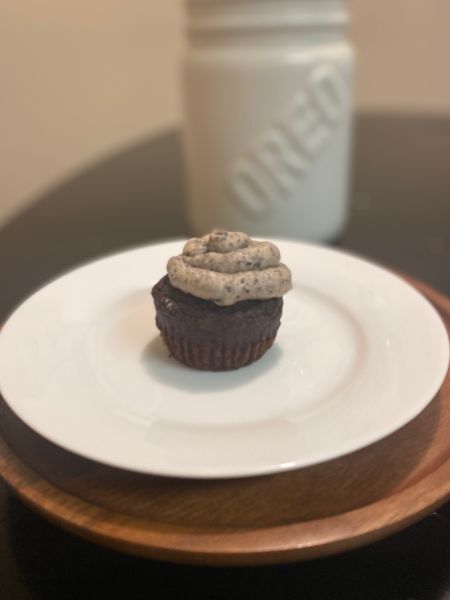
<point x="219" y="307"/>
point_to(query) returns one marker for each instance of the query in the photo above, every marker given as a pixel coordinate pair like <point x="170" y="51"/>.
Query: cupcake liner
<point x="220" y="357"/>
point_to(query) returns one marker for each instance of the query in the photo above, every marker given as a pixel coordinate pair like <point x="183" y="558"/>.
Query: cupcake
<point x="219" y="306"/>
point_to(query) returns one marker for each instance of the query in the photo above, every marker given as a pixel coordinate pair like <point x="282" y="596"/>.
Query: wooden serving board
<point x="302" y="514"/>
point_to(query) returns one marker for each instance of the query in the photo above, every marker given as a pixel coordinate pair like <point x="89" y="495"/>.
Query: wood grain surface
<point x="303" y="514"/>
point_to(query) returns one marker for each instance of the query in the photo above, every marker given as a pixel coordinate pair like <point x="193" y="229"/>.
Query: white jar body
<point x="268" y="132"/>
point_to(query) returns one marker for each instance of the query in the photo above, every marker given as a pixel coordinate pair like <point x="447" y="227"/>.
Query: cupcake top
<point x="226" y="267"/>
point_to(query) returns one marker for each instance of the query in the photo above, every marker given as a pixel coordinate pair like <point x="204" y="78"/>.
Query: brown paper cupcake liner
<point x="223" y="357"/>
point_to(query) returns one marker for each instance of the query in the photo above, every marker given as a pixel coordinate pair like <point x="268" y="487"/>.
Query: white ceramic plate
<point x="359" y="354"/>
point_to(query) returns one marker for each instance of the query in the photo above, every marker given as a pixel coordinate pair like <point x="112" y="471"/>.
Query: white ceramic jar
<point x="268" y="87"/>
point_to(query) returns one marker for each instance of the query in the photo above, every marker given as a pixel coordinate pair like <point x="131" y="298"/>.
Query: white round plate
<point x="359" y="353"/>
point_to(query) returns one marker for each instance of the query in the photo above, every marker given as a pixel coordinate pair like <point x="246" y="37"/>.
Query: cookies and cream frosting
<point x="226" y="267"/>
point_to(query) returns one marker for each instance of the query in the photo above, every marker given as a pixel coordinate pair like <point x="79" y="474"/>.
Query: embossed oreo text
<point x="286" y="151"/>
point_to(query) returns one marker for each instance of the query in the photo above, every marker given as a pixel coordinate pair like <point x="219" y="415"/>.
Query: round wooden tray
<point x="311" y="512"/>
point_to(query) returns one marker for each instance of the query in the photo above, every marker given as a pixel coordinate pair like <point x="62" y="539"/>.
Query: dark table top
<point x="400" y="217"/>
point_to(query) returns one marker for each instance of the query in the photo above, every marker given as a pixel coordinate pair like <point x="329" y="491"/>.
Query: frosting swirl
<point x="226" y="267"/>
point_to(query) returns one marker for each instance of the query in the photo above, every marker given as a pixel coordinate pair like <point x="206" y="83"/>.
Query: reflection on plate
<point x="359" y="354"/>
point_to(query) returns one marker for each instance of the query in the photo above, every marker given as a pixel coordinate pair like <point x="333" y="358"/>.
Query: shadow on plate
<point x="170" y="372"/>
